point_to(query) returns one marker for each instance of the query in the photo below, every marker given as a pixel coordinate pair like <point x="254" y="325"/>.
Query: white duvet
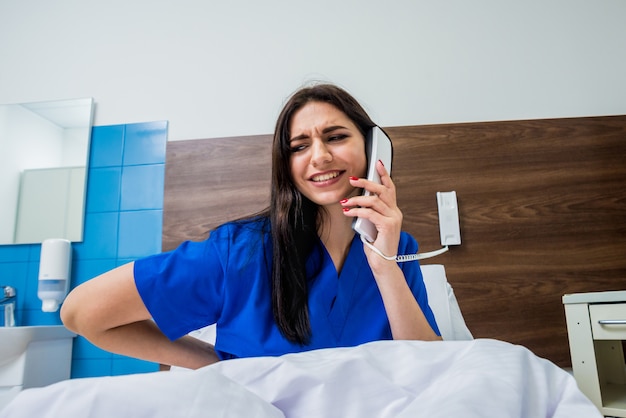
<point x="479" y="378"/>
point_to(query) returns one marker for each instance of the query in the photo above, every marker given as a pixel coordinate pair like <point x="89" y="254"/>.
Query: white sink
<point x="33" y="356"/>
<point x="14" y="340"/>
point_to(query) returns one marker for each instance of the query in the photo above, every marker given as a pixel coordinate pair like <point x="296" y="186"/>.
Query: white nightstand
<point x="596" y="327"/>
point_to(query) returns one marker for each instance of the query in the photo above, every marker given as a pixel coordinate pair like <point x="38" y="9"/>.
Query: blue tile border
<point x="12" y="253"/>
<point x="140" y="233"/>
<point x="107" y="146"/>
<point x="123" y="221"/>
<point x="145" y="143"/>
<point x="103" y="191"/>
<point x="101" y="236"/>
<point x="142" y="187"/>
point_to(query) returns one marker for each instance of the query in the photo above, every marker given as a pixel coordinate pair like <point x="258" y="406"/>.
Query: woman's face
<point x="326" y="150"/>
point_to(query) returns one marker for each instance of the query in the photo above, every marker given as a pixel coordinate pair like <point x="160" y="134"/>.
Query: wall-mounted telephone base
<point x="449" y="229"/>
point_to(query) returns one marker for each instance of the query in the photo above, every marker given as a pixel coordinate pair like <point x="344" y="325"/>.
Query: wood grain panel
<point x="543" y="212"/>
<point x="211" y="181"/>
<point x="542" y="206"/>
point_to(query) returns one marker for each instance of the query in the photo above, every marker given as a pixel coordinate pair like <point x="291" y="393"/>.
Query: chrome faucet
<point x="7" y="306"/>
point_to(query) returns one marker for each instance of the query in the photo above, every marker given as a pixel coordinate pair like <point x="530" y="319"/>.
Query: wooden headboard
<point x="542" y="206"/>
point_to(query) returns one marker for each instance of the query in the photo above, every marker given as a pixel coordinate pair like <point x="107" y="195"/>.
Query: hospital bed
<point x="459" y="376"/>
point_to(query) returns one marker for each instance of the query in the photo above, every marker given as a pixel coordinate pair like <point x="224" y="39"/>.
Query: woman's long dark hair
<point x="294" y="218"/>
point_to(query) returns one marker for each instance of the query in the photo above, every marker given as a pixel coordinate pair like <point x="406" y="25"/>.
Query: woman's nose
<point x="320" y="154"/>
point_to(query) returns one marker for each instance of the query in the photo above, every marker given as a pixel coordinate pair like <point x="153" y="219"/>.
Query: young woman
<point x="293" y="278"/>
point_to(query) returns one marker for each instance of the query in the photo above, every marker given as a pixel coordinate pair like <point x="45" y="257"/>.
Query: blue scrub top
<point x="226" y="279"/>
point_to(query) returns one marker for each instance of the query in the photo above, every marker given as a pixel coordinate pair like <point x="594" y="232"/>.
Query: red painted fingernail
<point x="353" y="178"/>
<point x="381" y="162"/>
<point x="346" y="209"/>
<point x="343" y="201"/>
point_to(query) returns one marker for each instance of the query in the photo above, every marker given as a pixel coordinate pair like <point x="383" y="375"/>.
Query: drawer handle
<point x="612" y="322"/>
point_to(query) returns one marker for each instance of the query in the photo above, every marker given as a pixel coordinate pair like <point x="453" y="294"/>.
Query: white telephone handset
<point x="377" y="147"/>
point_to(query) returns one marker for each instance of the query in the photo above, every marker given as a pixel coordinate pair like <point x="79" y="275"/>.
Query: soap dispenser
<point x="54" y="273"/>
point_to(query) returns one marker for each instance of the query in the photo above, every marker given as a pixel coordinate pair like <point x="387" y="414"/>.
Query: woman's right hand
<point x="109" y="312"/>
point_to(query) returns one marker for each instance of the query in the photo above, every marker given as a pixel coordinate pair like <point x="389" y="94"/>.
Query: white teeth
<point x="325" y="177"/>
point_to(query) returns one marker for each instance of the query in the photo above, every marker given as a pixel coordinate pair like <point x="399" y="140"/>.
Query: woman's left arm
<point x="405" y="315"/>
<point x="406" y="318"/>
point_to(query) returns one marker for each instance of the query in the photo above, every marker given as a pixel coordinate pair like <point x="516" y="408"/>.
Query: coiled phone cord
<point x="404" y="257"/>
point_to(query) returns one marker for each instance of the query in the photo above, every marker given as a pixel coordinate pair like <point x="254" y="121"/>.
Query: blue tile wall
<point x="123" y="221"/>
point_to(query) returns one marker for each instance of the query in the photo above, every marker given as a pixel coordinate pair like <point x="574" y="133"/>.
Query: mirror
<point x="44" y="150"/>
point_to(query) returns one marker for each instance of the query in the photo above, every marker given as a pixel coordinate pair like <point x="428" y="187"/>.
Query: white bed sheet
<point x="480" y="378"/>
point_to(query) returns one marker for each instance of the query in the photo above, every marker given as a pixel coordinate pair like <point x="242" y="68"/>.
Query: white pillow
<point x="154" y="395"/>
<point x="444" y="304"/>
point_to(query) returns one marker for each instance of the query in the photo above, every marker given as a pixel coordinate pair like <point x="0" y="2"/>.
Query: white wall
<point x="224" y="68"/>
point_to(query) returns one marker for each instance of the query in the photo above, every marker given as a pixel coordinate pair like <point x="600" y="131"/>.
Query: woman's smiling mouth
<point x="318" y="178"/>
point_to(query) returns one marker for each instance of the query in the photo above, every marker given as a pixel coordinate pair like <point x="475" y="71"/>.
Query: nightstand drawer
<point x="608" y="321"/>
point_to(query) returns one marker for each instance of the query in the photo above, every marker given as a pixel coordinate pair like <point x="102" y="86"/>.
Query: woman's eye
<point x="296" y="148"/>
<point x="337" y="137"/>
